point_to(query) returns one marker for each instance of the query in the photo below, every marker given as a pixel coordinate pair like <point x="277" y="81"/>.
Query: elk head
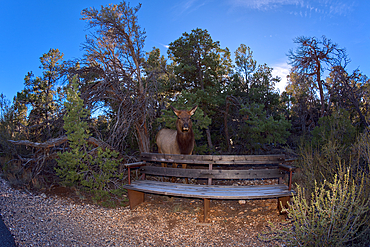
<point x="183" y="123"/>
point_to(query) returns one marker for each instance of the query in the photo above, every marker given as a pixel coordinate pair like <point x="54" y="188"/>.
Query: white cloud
<point x="165" y="46"/>
<point x="264" y="4"/>
<point x="187" y="6"/>
<point x="281" y="70"/>
<point x="305" y="7"/>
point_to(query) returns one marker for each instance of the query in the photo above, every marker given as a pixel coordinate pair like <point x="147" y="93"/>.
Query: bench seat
<point x="211" y="191"/>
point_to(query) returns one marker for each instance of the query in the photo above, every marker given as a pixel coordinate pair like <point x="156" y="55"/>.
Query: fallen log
<point x="61" y="140"/>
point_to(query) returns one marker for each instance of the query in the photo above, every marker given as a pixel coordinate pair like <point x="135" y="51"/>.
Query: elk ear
<point x="192" y="111"/>
<point x="177" y="112"/>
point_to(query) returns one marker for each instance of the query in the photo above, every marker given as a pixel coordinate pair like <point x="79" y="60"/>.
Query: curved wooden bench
<point x="246" y="167"/>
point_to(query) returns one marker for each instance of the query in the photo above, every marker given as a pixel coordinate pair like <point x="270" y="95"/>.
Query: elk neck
<point x="185" y="140"/>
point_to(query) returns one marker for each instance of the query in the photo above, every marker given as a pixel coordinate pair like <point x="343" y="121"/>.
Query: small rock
<point x="241" y="202"/>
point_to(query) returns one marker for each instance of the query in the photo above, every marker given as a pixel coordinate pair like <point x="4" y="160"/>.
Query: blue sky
<point x="30" y="28"/>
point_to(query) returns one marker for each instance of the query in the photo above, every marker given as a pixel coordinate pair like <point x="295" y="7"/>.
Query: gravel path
<point x="40" y="220"/>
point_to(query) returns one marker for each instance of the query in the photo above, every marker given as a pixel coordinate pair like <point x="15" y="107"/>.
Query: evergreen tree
<point x="245" y="65"/>
<point x="82" y="165"/>
<point x="201" y="69"/>
<point x="258" y="128"/>
<point x="41" y="96"/>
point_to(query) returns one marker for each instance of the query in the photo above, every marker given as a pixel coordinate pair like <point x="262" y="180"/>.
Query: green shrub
<point x="338" y="127"/>
<point x="319" y="163"/>
<point x="336" y="214"/>
<point x="83" y="166"/>
<point x="332" y="144"/>
<point x="259" y="128"/>
<point x="361" y="151"/>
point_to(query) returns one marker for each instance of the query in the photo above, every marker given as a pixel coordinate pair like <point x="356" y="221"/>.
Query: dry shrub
<point x="336" y="214"/>
<point x="332" y="206"/>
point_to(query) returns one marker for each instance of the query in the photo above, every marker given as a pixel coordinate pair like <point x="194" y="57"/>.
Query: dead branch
<point x="48" y="144"/>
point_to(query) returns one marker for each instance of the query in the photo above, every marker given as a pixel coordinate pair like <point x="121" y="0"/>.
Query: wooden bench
<point x="222" y="167"/>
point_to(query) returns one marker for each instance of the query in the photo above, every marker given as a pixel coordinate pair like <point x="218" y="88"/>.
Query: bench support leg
<point x="206" y="209"/>
<point x="135" y="197"/>
<point x="284" y="202"/>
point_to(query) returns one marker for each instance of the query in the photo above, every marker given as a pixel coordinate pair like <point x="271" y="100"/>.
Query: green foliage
<point x="200" y="67"/>
<point x="40" y="95"/>
<point x="331" y="144"/>
<point x="337" y="126"/>
<point x="259" y="128"/>
<point x="334" y="210"/>
<point x="8" y="122"/>
<point x="82" y="166"/>
<point x="361" y="150"/>
<point x="245" y="64"/>
<point x="200" y="60"/>
<point x="336" y="214"/>
<point x="11" y="117"/>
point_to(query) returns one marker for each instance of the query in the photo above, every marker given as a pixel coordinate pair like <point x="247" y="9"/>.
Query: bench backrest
<point x="215" y="160"/>
<point x="215" y="174"/>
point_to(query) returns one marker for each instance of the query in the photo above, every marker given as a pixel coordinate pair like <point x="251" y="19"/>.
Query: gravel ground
<point x="43" y="220"/>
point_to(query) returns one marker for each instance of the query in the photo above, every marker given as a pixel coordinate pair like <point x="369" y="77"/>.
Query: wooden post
<point x="206" y="209"/>
<point x="135" y="198"/>
<point x="129" y="175"/>
<point x="210" y="179"/>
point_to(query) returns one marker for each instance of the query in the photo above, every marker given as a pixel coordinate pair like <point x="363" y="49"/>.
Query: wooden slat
<point x="136" y="164"/>
<point x="213" y="159"/>
<point x="211" y="191"/>
<point x="215" y="174"/>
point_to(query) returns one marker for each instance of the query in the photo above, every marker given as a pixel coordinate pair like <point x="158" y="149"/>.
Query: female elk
<point x="181" y="140"/>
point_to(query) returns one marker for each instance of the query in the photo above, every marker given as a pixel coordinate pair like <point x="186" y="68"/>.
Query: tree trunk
<point x="142" y="137"/>
<point x="321" y="89"/>
<point x="227" y="136"/>
<point x="209" y="140"/>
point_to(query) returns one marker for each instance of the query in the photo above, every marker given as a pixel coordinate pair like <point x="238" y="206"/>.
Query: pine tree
<point x="71" y="164"/>
<point x="83" y="166"/>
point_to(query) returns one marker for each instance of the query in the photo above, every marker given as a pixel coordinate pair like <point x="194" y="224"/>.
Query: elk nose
<point x="185" y="127"/>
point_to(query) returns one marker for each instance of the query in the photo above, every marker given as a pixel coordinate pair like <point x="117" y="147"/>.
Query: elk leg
<point x="186" y="179"/>
<point x="174" y="165"/>
<point x="163" y="165"/>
